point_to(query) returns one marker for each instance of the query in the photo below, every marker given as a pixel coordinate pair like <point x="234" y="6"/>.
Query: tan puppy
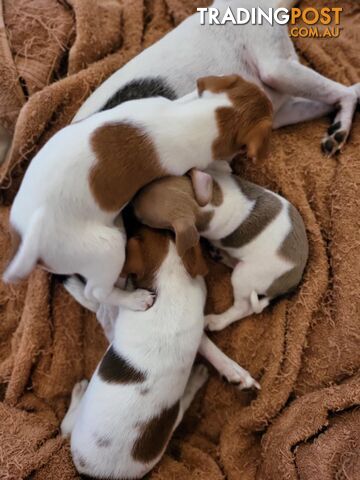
<point x="256" y="232"/>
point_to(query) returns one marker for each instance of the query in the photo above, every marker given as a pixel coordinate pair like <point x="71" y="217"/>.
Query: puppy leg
<point x="239" y="310"/>
<point x="296" y="110"/>
<point x="225" y="366"/>
<point x="68" y="422"/>
<point x="290" y="77"/>
<point x="103" y="260"/>
<point x="197" y="379"/>
<point x="76" y="288"/>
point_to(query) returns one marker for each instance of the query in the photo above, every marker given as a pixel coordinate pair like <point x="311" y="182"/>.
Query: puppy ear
<point x="194" y="262"/>
<point x="258" y="140"/>
<point x="134" y="263"/>
<point x="202" y="184"/>
<point x="186" y="234"/>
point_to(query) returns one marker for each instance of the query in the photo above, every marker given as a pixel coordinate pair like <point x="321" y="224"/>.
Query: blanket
<point x="304" y="349"/>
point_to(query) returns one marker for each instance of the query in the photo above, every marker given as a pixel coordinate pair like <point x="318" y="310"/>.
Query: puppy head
<point x="146" y="251"/>
<point x="246" y="125"/>
<point x="173" y="203"/>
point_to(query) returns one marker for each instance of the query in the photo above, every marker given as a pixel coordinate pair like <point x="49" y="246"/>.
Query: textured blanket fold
<point x="305" y="349"/>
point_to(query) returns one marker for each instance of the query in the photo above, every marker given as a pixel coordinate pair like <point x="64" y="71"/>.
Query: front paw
<point x="142" y="300"/>
<point x="239" y="376"/>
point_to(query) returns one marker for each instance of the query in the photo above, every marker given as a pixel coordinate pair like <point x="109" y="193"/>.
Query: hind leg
<point x="68" y="423"/>
<point x="102" y="262"/>
<point x="244" y="279"/>
<point x="197" y="379"/>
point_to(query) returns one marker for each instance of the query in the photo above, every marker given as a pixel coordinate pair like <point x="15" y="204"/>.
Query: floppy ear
<point x="134" y="263"/>
<point x="194" y="262"/>
<point x="202" y="185"/>
<point x="258" y="140"/>
<point x="186" y="234"/>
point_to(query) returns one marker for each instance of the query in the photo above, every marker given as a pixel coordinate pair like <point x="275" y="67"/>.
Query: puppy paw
<point x="239" y="376"/>
<point x="335" y="139"/>
<point x="214" y="323"/>
<point x="142" y="300"/>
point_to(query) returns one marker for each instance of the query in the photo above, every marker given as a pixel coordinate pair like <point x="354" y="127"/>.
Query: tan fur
<point x="170" y="203"/>
<point x="126" y="161"/>
<point x="248" y="123"/>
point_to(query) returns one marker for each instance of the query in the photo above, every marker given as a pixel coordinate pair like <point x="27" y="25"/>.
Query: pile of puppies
<point x="67" y="217"/>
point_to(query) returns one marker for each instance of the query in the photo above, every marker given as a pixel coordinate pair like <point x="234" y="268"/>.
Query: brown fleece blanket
<point x="305" y="350"/>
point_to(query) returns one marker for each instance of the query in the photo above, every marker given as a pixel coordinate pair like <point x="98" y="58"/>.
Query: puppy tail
<point x="28" y="253"/>
<point x="256" y="304"/>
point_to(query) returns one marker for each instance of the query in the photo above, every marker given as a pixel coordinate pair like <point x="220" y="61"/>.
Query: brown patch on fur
<point x="126" y="161"/>
<point x="295" y="249"/>
<point x="248" y="123"/>
<point x="116" y="369"/>
<point x="267" y="207"/>
<point x="155" y="435"/>
<point x="149" y="247"/>
<point x="217" y="195"/>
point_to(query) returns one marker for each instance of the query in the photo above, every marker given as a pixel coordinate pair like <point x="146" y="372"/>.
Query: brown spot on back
<point x="116" y="369"/>
<point x="155" y="435"/>
<point x="267" y="207"/>
<point x="295" y="249"/>
<point x="126" y="161"/>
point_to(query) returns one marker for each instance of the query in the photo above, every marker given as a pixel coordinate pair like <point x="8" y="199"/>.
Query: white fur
<point x="258" y="263"/>
<point x="162" y="341"/>
<point x="75" y="234"/>
<point x="262" y="54"/>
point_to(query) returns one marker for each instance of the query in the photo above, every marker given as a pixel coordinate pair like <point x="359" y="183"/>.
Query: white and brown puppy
<point x="122" y="421"/>
<point x="258" y="233"/>
<point x="74" y="188"/>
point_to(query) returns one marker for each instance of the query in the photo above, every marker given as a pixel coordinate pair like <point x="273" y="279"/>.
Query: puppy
<point x="63" y="214"/>
<point x="263" y="54"/>
<point x="122" y="421"/>
<point x="258" y="233"/>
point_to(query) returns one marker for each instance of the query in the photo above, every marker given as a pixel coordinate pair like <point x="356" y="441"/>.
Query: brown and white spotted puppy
<point x="122" y="421"/>
<point x="258" y="233"/>
<point x="83" y="177"/>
